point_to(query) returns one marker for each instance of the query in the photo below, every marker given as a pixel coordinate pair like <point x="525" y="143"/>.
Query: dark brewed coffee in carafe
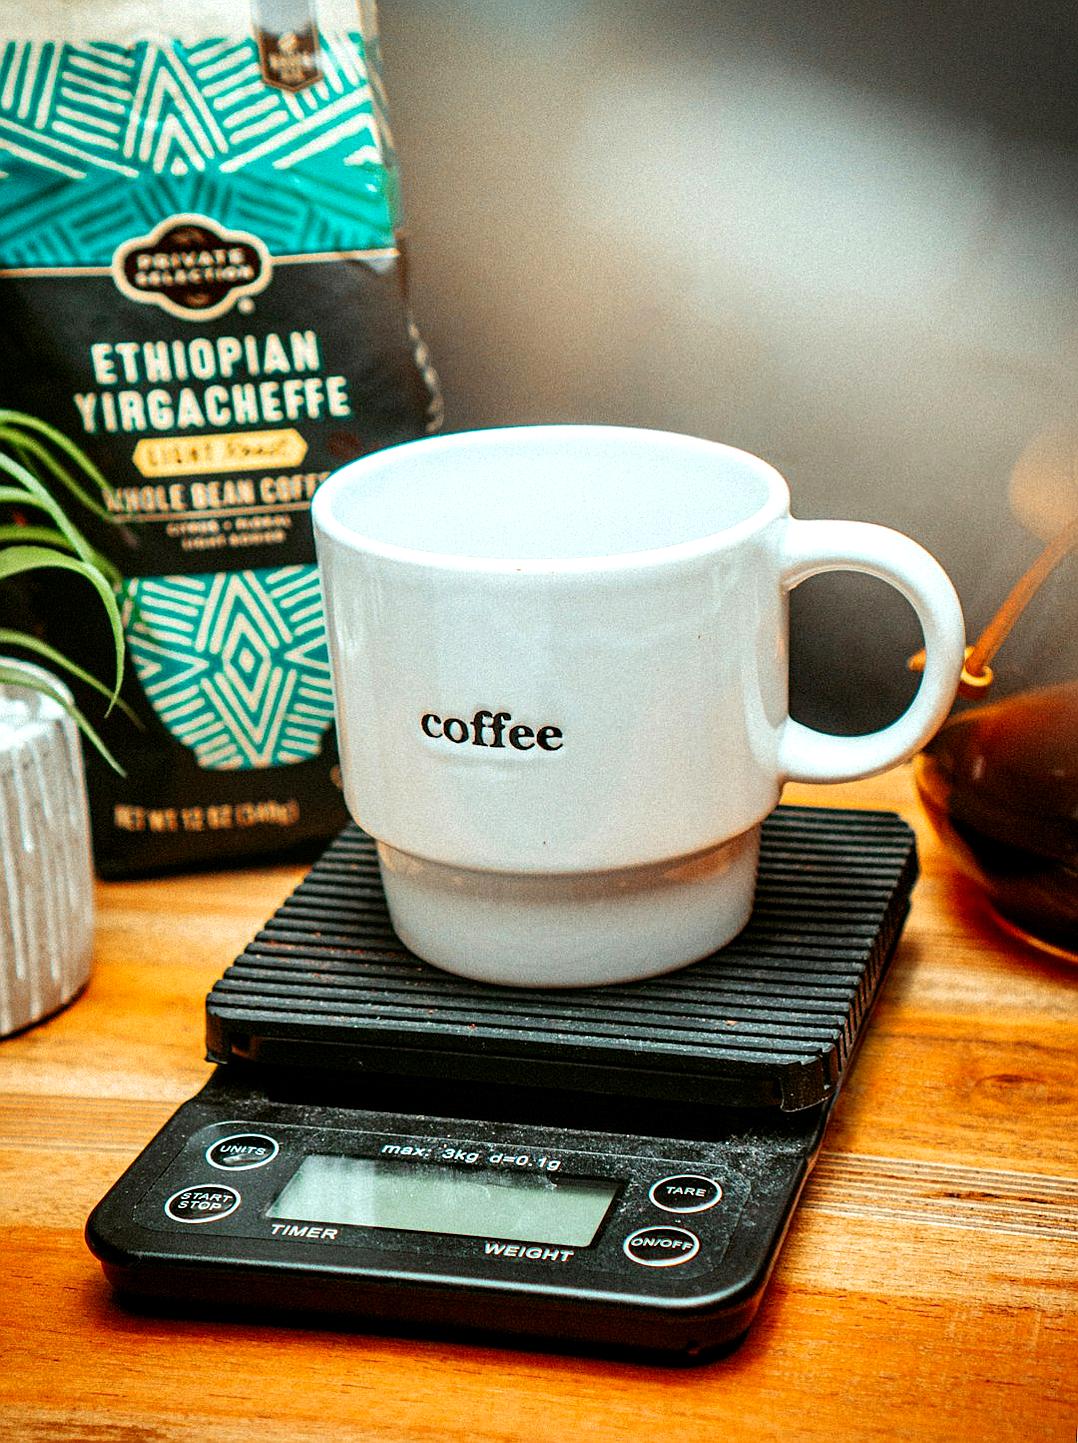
<point x="1000" y="780"/>
<point x="1000" y="784"/>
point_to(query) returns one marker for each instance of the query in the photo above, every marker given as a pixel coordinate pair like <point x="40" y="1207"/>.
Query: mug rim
<point x="325" y="520"/>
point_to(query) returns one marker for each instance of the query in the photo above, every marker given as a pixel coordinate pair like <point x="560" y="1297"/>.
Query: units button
<point x="687" y="1192"/>
<point x="241" y="1151"/>
<point x="207" y="1203"/>
<point x="661" y="1247"/>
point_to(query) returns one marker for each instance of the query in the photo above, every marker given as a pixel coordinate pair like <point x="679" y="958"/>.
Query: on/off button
<point x="661" y="1247"/>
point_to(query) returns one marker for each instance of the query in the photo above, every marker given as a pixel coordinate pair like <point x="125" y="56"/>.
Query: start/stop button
<point x="206" y="1203"/>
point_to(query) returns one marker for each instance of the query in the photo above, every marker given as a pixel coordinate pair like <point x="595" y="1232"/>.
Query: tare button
<point x="661" y="1247"/>
<point x="242" y="1151"/>
<point x="686" y="1192"/>
<point x="206" y="1203"/>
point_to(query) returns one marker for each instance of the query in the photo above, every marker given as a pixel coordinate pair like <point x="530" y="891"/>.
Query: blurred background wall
<point x="844" y="237"/>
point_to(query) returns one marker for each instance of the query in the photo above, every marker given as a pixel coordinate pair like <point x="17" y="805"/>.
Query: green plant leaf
<point x="19" y="496"/>
<point x="15" y="676"/>
<point x="39" y="535"/>
<point x="28" y="446"/>
<point x="46" y="536"/>
<point x="16" y="559"/>
<point x="33" y="490"/>
<point x="38" y="547"/>
<point x="57" y="658"/>
<point x="24" y="422"/>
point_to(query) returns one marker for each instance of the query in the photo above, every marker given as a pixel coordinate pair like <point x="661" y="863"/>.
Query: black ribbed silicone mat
<point x="769" y="1020"/>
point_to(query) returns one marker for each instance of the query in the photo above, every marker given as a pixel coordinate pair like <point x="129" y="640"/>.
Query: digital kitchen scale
<point x="613" y="1166"/>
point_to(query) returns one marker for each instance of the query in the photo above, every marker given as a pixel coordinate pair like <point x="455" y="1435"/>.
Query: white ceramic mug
<point x="560" y="667"/>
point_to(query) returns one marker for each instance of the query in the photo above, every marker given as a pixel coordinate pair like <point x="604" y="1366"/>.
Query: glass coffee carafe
<point x="1000" y="779"/>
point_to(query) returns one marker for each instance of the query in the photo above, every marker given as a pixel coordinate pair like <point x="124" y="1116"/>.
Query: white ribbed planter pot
<point x="46" y="874"/>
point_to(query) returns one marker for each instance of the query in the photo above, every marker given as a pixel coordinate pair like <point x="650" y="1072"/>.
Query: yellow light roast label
<point x="220" y="453"/>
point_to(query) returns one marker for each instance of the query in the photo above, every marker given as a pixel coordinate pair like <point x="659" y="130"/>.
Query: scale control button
<point x="241" y="1151"/>
<point x="686" y="1192"/>
<point x="207" y="1203"/>
<point x="661" y="1247"/>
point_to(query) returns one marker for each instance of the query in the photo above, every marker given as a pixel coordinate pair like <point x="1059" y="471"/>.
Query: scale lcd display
<point x="530" y="1207"/>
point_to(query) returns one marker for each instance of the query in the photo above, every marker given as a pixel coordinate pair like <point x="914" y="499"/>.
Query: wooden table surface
<point x="926" y="1290"/>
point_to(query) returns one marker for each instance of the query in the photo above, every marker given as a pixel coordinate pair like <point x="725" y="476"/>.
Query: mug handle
<point x="812" y="547"/>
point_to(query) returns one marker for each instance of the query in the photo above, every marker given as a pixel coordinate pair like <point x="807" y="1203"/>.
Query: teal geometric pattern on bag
<point x="168" y="128"/>
<point x="234" y="663"/>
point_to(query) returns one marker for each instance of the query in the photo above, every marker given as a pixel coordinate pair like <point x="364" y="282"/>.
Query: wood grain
<point x="927" y="1289"/>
